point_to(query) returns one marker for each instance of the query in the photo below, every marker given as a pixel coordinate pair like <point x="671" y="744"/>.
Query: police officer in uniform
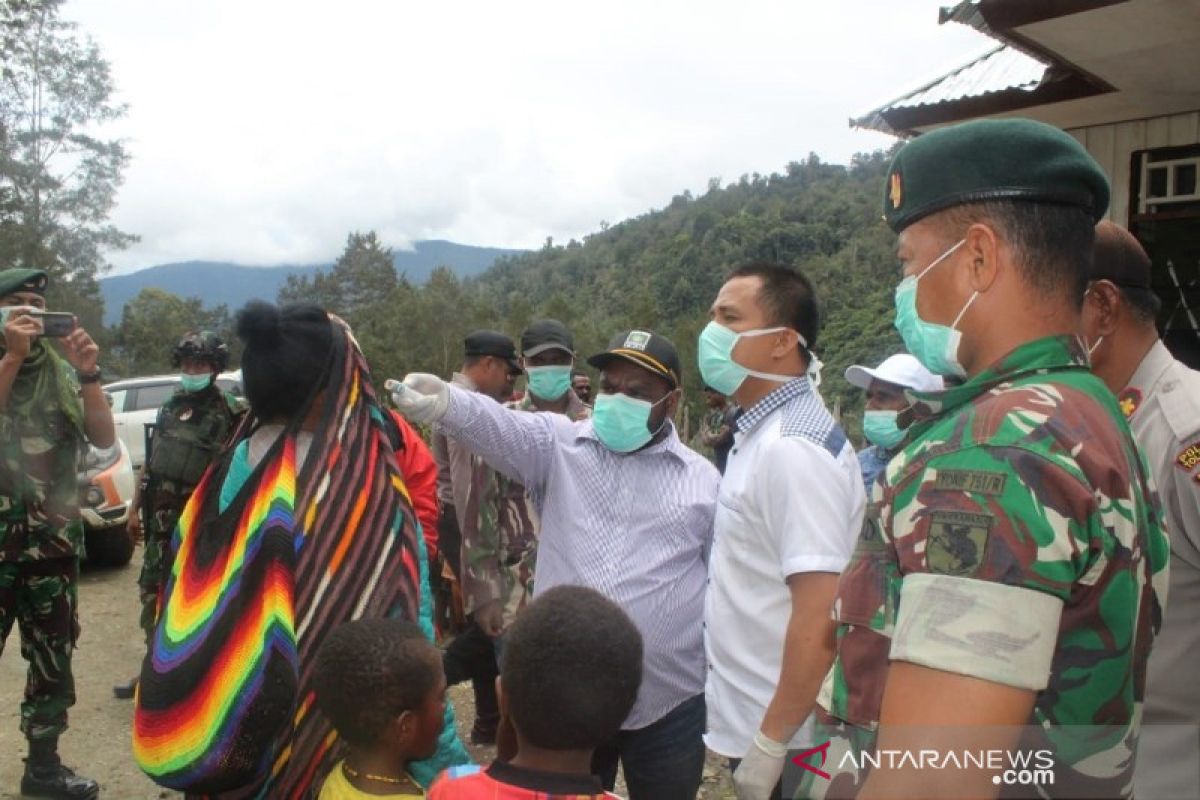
<point x="1161" y="398"/>
<point x="192" y="427"/>
<point x="1010" y="575"/>
<point x="50" y="407"/>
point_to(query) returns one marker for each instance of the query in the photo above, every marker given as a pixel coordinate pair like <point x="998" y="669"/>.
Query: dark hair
<point x="370" y="671"/>
<point x="786" y="296"/>
<point x="286" y="355"/>
<point x="571" y="671"/>
<point x="1053" y="242"/>
<point x="1145" y="303"/>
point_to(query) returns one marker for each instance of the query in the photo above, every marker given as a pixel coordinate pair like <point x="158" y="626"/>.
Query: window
<point x="1169" y="178"/>
<point x="152" y="396"/>
<point x="117" y="399"/>
<point x="1165" y="197"/>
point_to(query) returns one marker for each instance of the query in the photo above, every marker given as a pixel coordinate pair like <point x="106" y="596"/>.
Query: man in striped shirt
<point x="626" y="509"/>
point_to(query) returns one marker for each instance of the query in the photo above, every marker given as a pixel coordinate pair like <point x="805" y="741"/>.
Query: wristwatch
<point x="88" y="377"/>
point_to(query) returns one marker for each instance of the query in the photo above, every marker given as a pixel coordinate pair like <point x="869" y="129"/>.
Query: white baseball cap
<point x="901" y="369"/>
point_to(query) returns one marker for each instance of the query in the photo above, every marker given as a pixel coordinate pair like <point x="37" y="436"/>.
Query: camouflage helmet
<point x="203" y="346"/>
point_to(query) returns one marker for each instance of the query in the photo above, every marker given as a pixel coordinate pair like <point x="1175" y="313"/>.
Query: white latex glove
<point x="422" y="397"/>
<point x="760" y="770"/>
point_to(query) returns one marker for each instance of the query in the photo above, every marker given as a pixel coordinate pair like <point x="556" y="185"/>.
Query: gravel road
<point x="110" y="651"/>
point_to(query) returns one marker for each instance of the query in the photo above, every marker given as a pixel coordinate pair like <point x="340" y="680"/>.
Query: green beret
<point x="991" y="159"/>
<point x="22" y="280"/>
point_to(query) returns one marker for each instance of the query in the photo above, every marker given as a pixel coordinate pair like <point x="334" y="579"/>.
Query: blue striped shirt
<point x="635" y="527"/>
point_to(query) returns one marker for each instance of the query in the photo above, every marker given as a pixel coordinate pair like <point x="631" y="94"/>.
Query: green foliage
<point x="660" y="270"/>
<point x="58" y="180"/>
<point x="663" y="269"/>
<point x="153" y="322"/>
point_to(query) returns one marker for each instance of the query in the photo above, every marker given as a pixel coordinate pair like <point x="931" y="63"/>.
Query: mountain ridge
<point x="217" y="282"/>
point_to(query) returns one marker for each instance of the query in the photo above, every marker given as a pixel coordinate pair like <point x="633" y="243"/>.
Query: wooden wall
<point x="1113" y="146"/>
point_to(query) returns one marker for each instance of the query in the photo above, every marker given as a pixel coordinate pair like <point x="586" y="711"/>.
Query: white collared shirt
<point x="791" y="501"/>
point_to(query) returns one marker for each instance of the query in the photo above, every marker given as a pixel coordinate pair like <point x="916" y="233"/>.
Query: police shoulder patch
<point x="1189" y="457"/>
<point x="956" y="541"/>
<point x="1129" y="400"/>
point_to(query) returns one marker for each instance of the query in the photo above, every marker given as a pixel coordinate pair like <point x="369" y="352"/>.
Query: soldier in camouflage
<point x="51" y="406"/>
<point x="499" y="551"/>
<point x="191" y="428"/>
<point x="1010" y="575"/>
<point x="490" y="367"/>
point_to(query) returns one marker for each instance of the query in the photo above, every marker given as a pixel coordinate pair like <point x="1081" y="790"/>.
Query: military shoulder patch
<point x="956" y="541"/>
<point x="970" y="480"/>
<point x="1129" y="400"/>
<point x="1189" y="457"/>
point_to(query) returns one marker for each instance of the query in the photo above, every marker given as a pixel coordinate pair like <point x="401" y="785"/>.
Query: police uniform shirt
<point x="1162" y="402"/>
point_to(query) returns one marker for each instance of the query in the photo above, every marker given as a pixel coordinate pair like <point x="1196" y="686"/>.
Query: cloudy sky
<point x="263" y="131"/>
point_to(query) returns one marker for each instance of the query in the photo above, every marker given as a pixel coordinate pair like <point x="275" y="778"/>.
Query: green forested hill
<point x="664" y="268"/>
<point x="660" y="270"/>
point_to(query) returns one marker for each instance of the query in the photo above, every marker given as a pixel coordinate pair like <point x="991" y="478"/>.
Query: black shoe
<point x="57" y="781"/>
<point x="125" y="691"/>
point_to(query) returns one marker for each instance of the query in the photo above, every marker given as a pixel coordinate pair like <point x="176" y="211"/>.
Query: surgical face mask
<point x="935" y="346"/>
<point x="717" y="366"/>
<point x="195" y="383"/>
<point x="1091" y="351"/>
<point x="549" y="383"/>
<point x="623" y="423"/>
<point x="880" y="428"/>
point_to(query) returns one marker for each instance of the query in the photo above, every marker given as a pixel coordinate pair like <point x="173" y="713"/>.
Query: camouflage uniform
<point x="41" y="542"/>
<point x="499" y="543"/>
<point x="1025" y="477"/>
<point x="190" y="430"/>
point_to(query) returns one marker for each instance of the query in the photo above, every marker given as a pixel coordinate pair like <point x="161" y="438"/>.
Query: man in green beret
<point x="1010" y="575"/>
<point x="51" y="406"/>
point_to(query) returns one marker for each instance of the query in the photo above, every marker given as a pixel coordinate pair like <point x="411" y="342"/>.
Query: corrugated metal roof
<point x="1002" y="68"/>
<point x="998" y="70"/>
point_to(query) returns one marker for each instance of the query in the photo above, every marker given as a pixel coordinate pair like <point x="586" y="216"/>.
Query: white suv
<point x="136" y="401"/>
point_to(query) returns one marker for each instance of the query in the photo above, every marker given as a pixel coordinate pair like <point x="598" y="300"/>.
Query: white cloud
<point x="264" y="131"/>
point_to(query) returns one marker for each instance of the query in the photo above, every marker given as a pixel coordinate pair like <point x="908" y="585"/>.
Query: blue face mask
<point x="549" y="383"/>
<point x="195" y="383"/>
<point x="880" y="428"/>
<point x="623" y="423"/>
<point x="717" y="366"/>
<point x="934" y="345"/>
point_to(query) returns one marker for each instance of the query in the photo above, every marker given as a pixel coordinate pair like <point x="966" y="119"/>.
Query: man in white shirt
<point x="788" y="514"/>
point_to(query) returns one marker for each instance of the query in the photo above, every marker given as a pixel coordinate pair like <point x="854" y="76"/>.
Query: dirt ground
<point x="110" y="651"/>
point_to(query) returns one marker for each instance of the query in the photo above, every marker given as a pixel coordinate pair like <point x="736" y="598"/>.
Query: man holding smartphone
<point x="51" y="406"/>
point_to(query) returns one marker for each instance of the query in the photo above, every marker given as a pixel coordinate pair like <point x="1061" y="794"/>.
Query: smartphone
<point x="7" y="311"/>
<point x="55" y="324"/>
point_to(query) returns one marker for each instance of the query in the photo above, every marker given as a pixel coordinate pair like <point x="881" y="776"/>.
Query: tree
<point x="58" y="179"/>
<point x="154" y="320"/>
<point x="364" y="273"/>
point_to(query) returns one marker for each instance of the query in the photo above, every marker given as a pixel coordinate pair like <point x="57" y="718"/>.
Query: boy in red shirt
<point x="571" y="669"/>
